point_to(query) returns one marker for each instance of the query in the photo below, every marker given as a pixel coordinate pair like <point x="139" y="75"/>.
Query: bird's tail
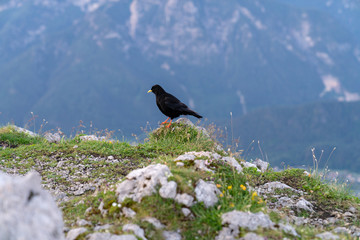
<point x="195" y="114"/>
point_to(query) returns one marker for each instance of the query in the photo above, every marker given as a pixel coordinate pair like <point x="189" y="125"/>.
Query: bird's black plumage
<point x="170" y="105"/>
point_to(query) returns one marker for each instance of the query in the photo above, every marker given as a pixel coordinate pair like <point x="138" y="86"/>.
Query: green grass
<point x="9" y="137"/>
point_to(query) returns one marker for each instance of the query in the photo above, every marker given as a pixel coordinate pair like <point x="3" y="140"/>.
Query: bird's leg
<point x="169" y="124"/>
<point x="165" y="121"/>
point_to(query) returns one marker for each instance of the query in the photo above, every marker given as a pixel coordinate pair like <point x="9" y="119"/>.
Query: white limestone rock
<point x="109" y="236"/>
<point x="249" y="165"/>
<point x="102" y="227"/>
<point x="327" y="236"/>
<point x="74" y="233"/>
<point x="169" y="235"/>
<point x="303" y="204"/>
<point x="203" y="165"/>
<point x="83" y="222"/>
<point x="262" y="165"/>
<point x="23" y="130"/>
<point x="341" y="230"/>
<point x="26" y="210"/>
<point x="138" y="231"/>
<point x="252" y="236"/>
<point x="248" y="220"/>
<point x="52" y="137"/>
<point x="207" y="192"/>
<point x="227" y="234"/>
<point x="185" y="199"/>
<point x="168" y="190"/>
<point x="92" y="138"/>
<point x="186" y="212"/>
<point x="142" y="182"/>
<point x="185" y="157"/>
<point x="288" y="229"/>
<point x="128" y="212"/>
<point x="155" y="222"/>
<point x="233" y="163"/>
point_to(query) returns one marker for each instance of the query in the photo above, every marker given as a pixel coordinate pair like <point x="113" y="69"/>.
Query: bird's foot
<point x="168" y="125"/>
<point x="166" y="121"/>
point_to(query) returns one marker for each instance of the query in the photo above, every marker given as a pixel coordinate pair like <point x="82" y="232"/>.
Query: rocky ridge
<point x="281" y="210"/>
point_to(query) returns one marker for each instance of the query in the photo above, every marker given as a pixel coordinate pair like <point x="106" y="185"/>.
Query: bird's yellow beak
<point x="150" y="91"/>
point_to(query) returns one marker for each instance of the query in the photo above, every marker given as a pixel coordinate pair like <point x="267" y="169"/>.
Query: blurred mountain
<point x="94" y="60"/>
<point x="286" y="135"/>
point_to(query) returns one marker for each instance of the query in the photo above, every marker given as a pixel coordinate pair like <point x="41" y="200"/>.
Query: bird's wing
<point x="174" y="103"/>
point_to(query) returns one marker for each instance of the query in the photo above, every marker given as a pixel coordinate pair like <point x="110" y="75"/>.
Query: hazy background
<point x="288" y="70"/>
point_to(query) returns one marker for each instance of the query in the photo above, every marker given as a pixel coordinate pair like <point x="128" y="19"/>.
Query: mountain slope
<point x="287" y="135"/>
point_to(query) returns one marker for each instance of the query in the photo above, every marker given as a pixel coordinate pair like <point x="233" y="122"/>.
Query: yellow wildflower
<point x="232" y="205"/>
<point x="230" y="187"/>
<point x="242" y="187"/>
<point x="218" y="185"/>
<point x="254" y="195"/>
<point x="221" y="195"/>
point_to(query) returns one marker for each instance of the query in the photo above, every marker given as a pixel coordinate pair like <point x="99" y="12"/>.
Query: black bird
<point x="170" y="105"/>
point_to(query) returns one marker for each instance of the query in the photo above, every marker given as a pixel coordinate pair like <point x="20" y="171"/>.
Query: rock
<point x="249" y="165"/>
<point x="91" y="138"/>
<point x="300" y="220"/>
<point x="203" y="131"/>
<point x="142" y="182"/>
<point x="332" y="220"/>
<point x="341" y="230"/>
<point x="83" y="222"/>
<point x="233" y="163"/>
<point x="303" y="204"/>
<point x="248" y="220"/>
<point x="23" y="130"/>
<point x="156" y="223"/>
<point x="74" y="233"/>
<point x="284" y="202"/>
<point x="138" y="231"/>
<point x="109" y="236"/>
<point x="327" y="236"/>
<point x="180" y="164"/>
<point x="185" y="199"/>
<point x="103" y="227"/>
<point x="186" y="212"/>
<point x="128" y="212"/>
<point x="252" y="236"/>
<point x="185" y="121"/>
<point x="168" y="190"/>
<point x="352" y="210"/>
<point x="271" y="186"/>
<point x="227" y="234"/>
<point x="207" y="192"/>
<point x="26" y="210"/>
<point x="168" y="235"/>
<point x="52" y="137"/>
<point x="202" y="165"/>
<point x="288" y="229"/>
<point x="203" y="159"/>
<point x="185" y="157"/>
<point x="262" y="165"/>
<point x="102" y="210"/>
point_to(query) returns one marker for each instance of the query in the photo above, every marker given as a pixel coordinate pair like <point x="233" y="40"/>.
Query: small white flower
<point x="114" y="204"/>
